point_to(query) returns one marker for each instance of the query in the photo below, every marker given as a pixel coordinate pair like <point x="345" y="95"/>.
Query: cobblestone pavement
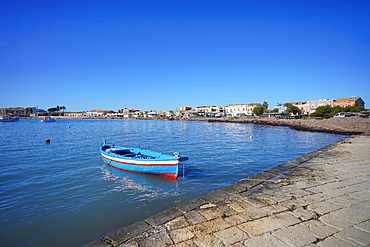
<point x="319" y="199"/>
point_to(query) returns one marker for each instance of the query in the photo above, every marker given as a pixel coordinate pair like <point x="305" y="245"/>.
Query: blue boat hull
<point x="142" y="161"/>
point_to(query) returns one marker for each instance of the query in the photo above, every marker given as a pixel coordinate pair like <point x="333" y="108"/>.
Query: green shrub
<point x="275" y="110"/>
<point x="258" y="110"/>
<point x="328" y="111"/>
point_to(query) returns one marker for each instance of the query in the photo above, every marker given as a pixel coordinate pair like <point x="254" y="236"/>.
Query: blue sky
<point x="160" y="55"/>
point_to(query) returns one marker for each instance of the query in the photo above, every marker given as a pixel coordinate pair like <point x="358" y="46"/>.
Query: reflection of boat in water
<point x="48" y="119"/>
<point x="149" y="186"/>
<point x="140" y="160"/>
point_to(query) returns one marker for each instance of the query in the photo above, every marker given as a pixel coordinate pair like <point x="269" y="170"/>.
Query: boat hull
<point x="7" y="120"/>
<point x="165" y="168"/>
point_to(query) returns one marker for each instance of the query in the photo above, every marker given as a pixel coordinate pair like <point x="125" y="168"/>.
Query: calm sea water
<point x="62" y="193"/>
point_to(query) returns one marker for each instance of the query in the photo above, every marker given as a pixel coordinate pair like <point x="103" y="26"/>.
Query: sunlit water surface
<point x="62" y="193"/>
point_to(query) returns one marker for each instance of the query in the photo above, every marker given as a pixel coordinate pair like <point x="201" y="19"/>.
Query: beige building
<point x="300" y="105"/>
<point x="75" y="114"/>
<point x="128" y="113"/>
<point x="98" y="113"/>
<point x="208" y="109"/>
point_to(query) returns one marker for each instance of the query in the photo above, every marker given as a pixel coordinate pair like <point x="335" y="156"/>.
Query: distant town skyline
<point x="113" y="55"/>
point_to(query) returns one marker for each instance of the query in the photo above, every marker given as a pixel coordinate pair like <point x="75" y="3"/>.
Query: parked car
<point x="344" y="114"/>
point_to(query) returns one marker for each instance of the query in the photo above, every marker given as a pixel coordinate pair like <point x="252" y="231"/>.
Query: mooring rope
<point x="109" y="159"/>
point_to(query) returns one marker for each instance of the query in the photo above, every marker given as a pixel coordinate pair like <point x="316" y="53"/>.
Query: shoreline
<point x="342" y="126"/>
<point x="320" y="198"/>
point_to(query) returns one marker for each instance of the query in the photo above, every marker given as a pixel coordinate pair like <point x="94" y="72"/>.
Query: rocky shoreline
<point x="344" y="126"/>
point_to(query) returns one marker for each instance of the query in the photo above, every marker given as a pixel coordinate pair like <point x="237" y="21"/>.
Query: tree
<point x="258" y="110"/>
<point x="334" y="110"/>
<point x="57" y="109"/>
<point x="53" y="109"/>
<point x="265" y="105"/>
<point x="322" y="111"/>
<point x="275" y="110"/>
<point x="29" y="110"/>
<point x="328" y="111"/>
<point x="292" y="109"/>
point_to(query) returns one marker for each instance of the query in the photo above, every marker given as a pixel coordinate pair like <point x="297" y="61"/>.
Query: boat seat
<point x="129" y="155"/>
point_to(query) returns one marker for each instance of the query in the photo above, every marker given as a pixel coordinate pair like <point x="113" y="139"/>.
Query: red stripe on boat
<point x="136" y="164"/>
<point x="167" y="175"/>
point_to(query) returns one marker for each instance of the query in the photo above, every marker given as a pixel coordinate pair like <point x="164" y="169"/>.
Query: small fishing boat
<point x="7" y="119"/>
<point x="48" y="119"/>
<point x="140" y="160"/>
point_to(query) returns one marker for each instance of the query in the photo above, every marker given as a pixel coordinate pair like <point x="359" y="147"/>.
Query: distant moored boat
<point x="48" y="119"/>
<point x="8" y="119"/>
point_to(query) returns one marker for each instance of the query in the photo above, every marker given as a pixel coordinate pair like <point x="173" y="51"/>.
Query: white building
<point x="312" y="105"/>
<point x="98" y="113"/>
<point x="129" y="113"/>
<point x="154" y="114"/>
<point x="185" y="108"/>
<point x="240" y="110"/>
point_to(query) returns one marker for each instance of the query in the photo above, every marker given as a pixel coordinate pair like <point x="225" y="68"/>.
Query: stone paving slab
<point x="319" y="199"/>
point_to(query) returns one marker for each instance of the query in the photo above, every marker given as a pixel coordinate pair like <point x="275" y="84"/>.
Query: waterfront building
<point x="208" y="111"/>
<point x="98" y="113"/>
<point x="300" y="105"/>
<point x="115" y="115"/>
<point x="185" y="112"/>
<point x="177" y="113"/>
<point x="17" y="111"/>
<point x="154" y="114"/>
<point x="350" y="101"/>
<point x="42" y="112"/>
<point x="75" y="114"/>
<point x="168" y="113"/>
<point x="128" y="113"/>
<point x="312" y="105"/>
<point x="240" y="110"/>
<point x="185" y="108"/>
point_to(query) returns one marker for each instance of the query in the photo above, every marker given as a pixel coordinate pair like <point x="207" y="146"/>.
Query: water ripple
<point x="63" y="193"/>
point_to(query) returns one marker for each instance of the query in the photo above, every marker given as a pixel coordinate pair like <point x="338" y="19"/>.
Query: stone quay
<point x="319" y="199"/>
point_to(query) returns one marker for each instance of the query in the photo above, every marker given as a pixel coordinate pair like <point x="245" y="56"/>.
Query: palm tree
<point x="63" y="108"/>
